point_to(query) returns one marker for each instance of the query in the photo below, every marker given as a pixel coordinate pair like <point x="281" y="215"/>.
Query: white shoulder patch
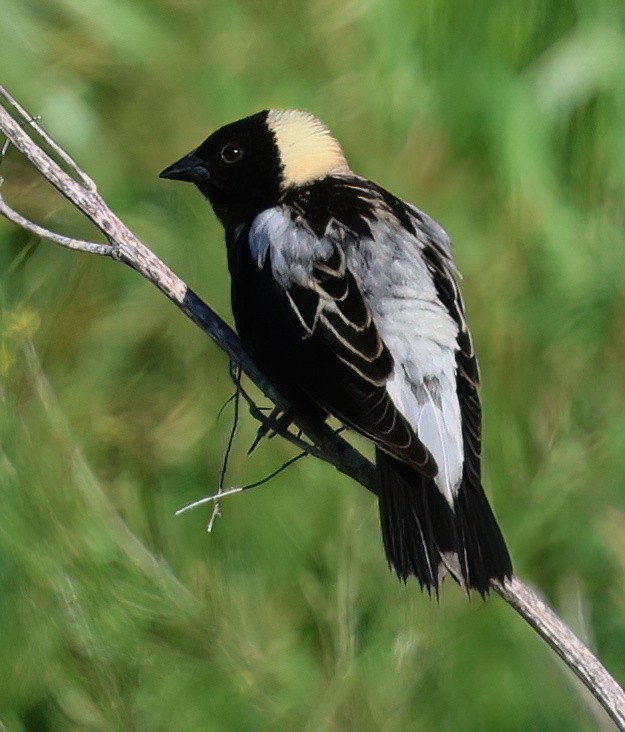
<point x="270" y="225"/>
<point x="293" y="247"/>
<point x="307" y="149"/>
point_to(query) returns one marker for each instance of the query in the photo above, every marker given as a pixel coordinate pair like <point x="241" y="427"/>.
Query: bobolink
<point x="346" y="298"/>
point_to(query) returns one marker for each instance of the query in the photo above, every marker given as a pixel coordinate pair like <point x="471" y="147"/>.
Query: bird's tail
<point x="425" y="537"/>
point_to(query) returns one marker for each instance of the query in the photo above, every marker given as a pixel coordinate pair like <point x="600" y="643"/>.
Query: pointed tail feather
<point x="481" y="539"/>
<point x="423" y="536"/>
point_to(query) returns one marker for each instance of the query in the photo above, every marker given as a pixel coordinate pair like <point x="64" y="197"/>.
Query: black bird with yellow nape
<point x="346" y="298"/>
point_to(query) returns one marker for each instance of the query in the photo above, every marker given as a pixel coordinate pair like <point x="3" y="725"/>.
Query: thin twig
<point x="240" y="489"/>
<point x="65" y="241"/>
<point x="235" y="371"/>
<point x="209" y="499"/>
<point x="222" y="409"/>
<point x="87" y="182"/>
<point x="325" y="443"/>
<point x="532" y="608"/>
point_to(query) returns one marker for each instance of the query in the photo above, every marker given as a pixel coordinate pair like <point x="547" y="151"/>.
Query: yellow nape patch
<point x="307" y="149"/>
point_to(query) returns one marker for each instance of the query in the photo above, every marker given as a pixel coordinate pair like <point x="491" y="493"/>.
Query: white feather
<point x="293" y="246"/>
<point x="421" y="336"/>
<point x="432" y="409"/>
<point x="413" y="323"/>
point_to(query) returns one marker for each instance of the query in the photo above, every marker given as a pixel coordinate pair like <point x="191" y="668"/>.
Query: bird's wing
<point x="401" y="262"/>
<point x="418" y="308"/>
<point x="439" y="259"/>
<point x="329" y="308"/>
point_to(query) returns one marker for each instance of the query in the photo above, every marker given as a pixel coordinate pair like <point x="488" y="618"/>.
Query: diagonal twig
<point x="65" y="241"/>
<point x="325" y="443"/>
<point x="216" y="497"/>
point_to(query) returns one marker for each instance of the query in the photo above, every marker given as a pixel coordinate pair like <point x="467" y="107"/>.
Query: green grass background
<point x="504" y="120"/>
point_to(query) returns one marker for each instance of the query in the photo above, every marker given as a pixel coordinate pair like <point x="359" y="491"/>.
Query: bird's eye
<point x="231" y="153"/>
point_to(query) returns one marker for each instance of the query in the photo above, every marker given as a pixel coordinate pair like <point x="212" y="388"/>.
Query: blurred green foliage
<point x="506" y="121"/>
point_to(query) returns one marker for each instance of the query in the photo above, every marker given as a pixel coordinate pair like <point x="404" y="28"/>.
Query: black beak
<point x="191" y="168"/>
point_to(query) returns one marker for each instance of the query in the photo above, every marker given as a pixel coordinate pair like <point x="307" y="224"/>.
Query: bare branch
<point x="216" y="497"/>
<point x="325" y="443"/>
<point x="210" y="499"/>
<point x="532" y="608"/>
<point x="87" y="182"/>
<point x="65" y="241"/>
<point x="235" y="372"/>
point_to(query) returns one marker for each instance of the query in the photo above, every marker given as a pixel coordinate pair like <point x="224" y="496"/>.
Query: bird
<point x="347" y="299"/>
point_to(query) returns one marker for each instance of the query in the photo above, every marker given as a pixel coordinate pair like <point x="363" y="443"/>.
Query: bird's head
<point x="248" y="165"/>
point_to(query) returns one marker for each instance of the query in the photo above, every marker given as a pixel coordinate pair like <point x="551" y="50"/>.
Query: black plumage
<point x="324" y="265"/>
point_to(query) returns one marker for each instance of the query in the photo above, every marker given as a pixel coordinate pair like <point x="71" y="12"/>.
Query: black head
<point x="237" y="168"/>
<point x="246" y="166"/>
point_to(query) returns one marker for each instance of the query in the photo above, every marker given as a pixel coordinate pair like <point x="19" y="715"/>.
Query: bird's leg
<point x="277" y="422"/>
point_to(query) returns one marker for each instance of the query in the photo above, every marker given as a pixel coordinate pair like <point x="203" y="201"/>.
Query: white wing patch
<point x="294" y="247"/>
<point x="433" y="411"/>
<point x="421" y="336"/>
<point x="268" y="225"/>
<point x="416" y="328"/>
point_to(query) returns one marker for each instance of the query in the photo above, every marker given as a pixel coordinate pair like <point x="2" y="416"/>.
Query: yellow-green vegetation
<point x="504" y="120"/>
